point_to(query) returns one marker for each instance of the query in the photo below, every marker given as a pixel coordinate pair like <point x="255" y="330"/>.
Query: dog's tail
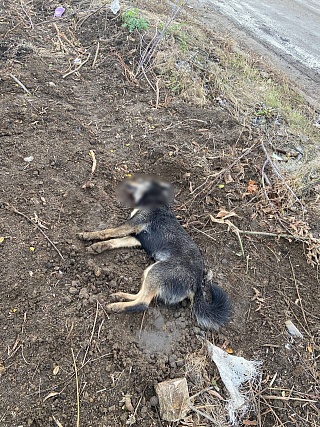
<point x="215" y="314"/>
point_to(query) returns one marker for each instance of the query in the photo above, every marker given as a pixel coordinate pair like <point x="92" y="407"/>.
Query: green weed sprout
<point x="133" y="21"/>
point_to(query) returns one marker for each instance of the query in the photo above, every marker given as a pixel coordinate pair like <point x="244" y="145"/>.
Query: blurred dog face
<point x="144" y="191"/>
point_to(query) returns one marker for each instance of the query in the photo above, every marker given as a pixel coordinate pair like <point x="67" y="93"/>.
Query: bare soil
<point x="51" y="306"/>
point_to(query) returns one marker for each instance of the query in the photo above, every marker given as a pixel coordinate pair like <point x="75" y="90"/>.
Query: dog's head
<point x="145" y="192"/>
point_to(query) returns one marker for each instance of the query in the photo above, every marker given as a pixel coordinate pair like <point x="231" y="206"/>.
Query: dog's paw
<point x="115" y="307"/>
<point x="115" y="295"/>
<point x="84" y="236"/>
<point x="123" y="296"/>
<point x="96" y="248"/>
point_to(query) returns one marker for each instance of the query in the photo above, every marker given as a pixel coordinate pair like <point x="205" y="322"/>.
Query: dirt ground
<point x="52" y="293"/>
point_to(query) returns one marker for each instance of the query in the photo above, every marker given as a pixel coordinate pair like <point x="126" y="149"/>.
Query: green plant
<point x="176" y="30"/>
<point x="133" y="21"/>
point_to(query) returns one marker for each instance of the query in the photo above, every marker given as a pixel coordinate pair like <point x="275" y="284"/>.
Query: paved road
<point x="285" y="31"/>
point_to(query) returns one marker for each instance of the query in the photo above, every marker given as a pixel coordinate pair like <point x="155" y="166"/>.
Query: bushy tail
<point x="215" y="314"/>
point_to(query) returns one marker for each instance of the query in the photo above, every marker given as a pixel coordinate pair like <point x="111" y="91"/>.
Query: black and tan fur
<point x="178" y="271"/>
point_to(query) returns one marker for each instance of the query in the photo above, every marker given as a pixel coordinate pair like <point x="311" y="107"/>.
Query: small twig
<point x="184" y="121"/>
<point x="59" y="38"/>
<point x="27" y="14"/>
<point x="150" y="49"/>
<point x="142" y="320"/>
<point x="94" y="161"/>
<point x="128" y="74"/>
<point x="13" y="209"/>
<point x="273" y="412"/>
<point x="77" y="388"/>
<point x="157" y="93"/>
<point x="56" y="421"/>
<point x="66" y="382"/>
<point x="138" y="404"/>
<point x="81" y="22"/>
<point x="238" y="231"/>
<point x="197" y="191"/>
<point x="20" y="84"/>
<point x="279" y="175"/>
<point x="78" y="68"/>
<point x="203" y="414"/>
<point x="299" y="297"/>
<point x="287" y="398"/>
<point x="96" y="56"/>
<point x="148" y="81"/>
<point x="91" y="336"/>
<point x="203" y="232"/>
<point x="60" y="34"/>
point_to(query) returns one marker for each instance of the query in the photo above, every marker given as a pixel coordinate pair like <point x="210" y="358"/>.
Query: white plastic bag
<point x="115" y="7"/>
<point x="235" y="372"/>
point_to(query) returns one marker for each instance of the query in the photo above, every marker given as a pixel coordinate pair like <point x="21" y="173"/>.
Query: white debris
<point x="235" y="372"/>
<point x="115" y="7"/>
<point x="293" y="330"/>
<point x="28" y="159"/>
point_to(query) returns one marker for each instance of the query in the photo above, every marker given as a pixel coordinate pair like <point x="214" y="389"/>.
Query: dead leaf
<point x="252" y="187"/>
<point x="226" y="214"/>
<point x="2" y="239"/>
<point x="52" y="394"/>
<point x="56" y="370"/>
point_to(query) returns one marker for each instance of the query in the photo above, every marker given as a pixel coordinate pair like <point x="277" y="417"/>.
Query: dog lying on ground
<point x="178" y="271"/>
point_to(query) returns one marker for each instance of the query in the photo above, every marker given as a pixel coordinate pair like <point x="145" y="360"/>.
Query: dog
<point x="178" y="272"/>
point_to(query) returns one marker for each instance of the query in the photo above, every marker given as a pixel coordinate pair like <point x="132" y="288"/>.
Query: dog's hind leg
<point x="122" y="242"/>
<point x="141" y="300"/>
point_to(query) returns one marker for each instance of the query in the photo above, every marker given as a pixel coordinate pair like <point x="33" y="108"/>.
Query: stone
<point x="173" y="398"/>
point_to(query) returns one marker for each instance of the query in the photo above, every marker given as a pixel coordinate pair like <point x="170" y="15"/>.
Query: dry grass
<point x="204" y="69"/>
<point x="206" y="404"/>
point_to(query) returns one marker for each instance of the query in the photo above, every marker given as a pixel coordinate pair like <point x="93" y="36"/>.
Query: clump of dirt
<point x="52" y="294"/>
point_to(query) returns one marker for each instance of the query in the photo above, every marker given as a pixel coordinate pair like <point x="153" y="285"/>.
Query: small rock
<point x="73" y="290"/>
<point x="93" y="298"/>
<point x="173" y="396"/>
<point x="75" y="283"/>
<point x="154" y="401"/>
<point x="83" y="294"/>
<point x="180" y="363"/>
<point x="172" y="360"/>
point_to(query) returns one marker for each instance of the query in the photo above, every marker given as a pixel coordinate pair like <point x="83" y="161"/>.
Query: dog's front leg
<point x="123" y="230"/>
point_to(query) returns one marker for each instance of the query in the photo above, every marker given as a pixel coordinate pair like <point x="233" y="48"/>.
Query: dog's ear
<point x="167" y="191"/>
